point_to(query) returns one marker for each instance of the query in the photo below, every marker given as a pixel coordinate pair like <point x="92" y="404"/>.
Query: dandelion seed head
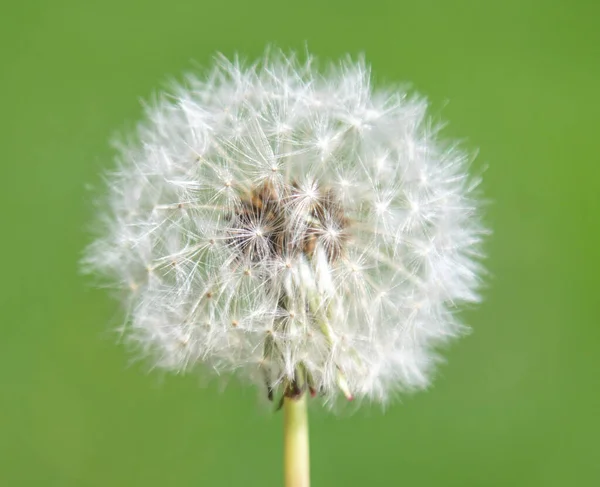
<point x="297" y="227"/>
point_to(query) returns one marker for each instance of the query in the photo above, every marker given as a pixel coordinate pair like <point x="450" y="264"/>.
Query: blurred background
<point x="518" y="402"/>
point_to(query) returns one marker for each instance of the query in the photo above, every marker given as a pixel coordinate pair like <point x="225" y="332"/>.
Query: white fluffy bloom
<point x="305" y="230"/>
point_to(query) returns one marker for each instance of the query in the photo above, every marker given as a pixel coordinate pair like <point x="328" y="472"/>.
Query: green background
<point x="517" y="403"/>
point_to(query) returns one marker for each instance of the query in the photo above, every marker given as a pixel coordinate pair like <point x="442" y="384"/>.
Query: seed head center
<point x="276" y="223"/>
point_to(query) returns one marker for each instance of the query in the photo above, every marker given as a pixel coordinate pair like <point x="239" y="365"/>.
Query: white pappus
<point x="296" y="226"/>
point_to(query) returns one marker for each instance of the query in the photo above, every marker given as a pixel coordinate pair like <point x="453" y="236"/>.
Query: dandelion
<point x="294" y="226"/>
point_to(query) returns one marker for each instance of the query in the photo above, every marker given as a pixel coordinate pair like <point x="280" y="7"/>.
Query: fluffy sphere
<point x="296" y="226"/>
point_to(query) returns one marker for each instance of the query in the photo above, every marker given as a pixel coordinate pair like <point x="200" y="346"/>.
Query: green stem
<point x="296" y="457"/>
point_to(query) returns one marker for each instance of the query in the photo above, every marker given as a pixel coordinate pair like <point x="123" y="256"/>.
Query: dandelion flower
<point x="298" y="227"/>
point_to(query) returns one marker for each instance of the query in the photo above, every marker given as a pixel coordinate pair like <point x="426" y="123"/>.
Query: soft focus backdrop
<point x="518" y="402"/>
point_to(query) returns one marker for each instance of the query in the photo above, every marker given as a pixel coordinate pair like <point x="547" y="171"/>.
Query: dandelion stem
<point x="296" y="457"/>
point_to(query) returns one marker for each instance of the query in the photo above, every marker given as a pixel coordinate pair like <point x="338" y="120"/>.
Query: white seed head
<point x="302" y="229"/>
